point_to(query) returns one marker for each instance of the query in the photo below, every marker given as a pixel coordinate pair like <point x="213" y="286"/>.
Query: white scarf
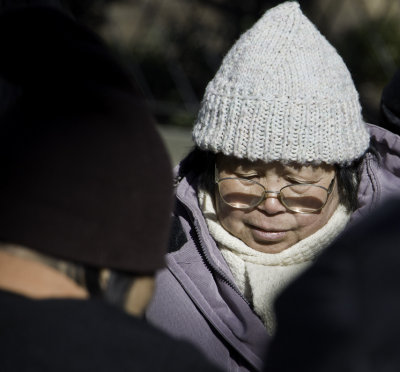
<point x="261" y="276"/>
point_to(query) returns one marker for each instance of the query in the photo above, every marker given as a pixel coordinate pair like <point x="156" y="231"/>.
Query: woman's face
<point x="271" y="227"/>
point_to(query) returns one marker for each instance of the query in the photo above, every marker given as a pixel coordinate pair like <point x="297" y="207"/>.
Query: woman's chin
<point x="269" y="246"/>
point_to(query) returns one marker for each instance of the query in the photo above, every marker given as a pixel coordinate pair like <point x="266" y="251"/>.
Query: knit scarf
<point x="261" y="276"/>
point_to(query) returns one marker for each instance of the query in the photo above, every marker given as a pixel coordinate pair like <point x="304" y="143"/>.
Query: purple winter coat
<point x="196" y="298"/>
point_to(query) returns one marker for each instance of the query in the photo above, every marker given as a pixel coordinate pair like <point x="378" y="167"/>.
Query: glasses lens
<point x="240" y="193"/>
<point x="304" y="198"/>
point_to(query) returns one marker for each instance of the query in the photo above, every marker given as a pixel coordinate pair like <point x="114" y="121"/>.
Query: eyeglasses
<point x="242" y="193"/>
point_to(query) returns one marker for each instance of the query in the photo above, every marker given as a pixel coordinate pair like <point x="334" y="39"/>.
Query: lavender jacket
<point x="196" y="298"/>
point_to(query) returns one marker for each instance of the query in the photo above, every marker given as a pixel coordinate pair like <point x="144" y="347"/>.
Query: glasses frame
<point x="277" y="193"/>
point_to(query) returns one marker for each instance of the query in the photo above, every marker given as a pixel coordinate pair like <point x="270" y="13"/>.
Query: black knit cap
<point x="84" y="174"/>
<point x="342" y="314"/>
<point x="390" y="104"/>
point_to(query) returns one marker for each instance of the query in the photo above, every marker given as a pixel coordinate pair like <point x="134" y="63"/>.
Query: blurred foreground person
<point x="390" y="104"/>
<point x="343" y="313"/>
<point x="86" y="187"/>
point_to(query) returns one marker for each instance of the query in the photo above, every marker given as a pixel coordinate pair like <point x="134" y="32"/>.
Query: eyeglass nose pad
<point x="270" y="194"/>
<point x="267" y="194"/>
<point x="274" y="206"/>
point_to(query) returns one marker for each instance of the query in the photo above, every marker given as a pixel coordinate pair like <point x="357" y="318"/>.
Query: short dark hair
<point x="348" y="179"/>
<point x="201" y="163"/>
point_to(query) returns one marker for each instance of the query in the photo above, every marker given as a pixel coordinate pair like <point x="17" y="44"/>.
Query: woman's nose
<point x="271" y="204"/>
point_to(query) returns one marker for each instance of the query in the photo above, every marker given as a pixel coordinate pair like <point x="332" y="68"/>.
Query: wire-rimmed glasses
<point x="243" y="193"/>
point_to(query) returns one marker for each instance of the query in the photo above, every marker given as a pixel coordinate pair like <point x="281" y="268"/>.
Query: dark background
<point x="174" y="47"/>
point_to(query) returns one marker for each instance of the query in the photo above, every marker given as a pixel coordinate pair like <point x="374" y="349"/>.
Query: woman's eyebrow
<point x="304" y="180"/>
<point x="248" y="168"/>
<point x="312" y="178"/>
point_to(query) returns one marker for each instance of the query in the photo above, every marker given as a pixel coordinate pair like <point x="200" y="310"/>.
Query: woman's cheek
<point x="306" y="220"/>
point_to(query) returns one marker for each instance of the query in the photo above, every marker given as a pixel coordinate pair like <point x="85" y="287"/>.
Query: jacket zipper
<point x="206" y="255"/>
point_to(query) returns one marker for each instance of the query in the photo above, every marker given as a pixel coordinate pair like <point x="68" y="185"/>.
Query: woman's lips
<point x="267" y="235"/>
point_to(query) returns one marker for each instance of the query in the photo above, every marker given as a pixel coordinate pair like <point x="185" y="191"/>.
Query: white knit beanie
<point x="283" y="94"/>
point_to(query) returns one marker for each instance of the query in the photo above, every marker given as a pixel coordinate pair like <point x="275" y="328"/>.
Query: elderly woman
<point x="283" y="161"/>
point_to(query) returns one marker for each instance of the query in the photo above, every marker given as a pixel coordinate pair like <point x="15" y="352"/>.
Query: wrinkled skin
<point x="271" y="227"/>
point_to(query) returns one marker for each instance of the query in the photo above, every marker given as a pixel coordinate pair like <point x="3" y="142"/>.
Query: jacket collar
<point x="206" y="277"/>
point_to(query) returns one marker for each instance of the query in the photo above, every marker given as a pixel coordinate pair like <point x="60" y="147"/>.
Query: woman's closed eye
<point x="296" y="181"/>
<point x="248" y="176"/>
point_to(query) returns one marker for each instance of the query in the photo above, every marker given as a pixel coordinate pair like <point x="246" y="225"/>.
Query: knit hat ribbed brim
<point x="283" y="94"/>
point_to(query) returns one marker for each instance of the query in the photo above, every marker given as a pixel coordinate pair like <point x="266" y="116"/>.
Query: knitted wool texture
<point x="283" y="94"/>
<point x="260" y="276"/>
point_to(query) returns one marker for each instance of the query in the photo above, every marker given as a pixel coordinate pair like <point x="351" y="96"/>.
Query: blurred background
<point x="174" y="47"/>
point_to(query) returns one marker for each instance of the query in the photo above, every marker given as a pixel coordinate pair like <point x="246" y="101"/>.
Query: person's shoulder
<point x="88" y="333"/>
<point x="383" y="137"/>
<point x="150" y="347"/>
